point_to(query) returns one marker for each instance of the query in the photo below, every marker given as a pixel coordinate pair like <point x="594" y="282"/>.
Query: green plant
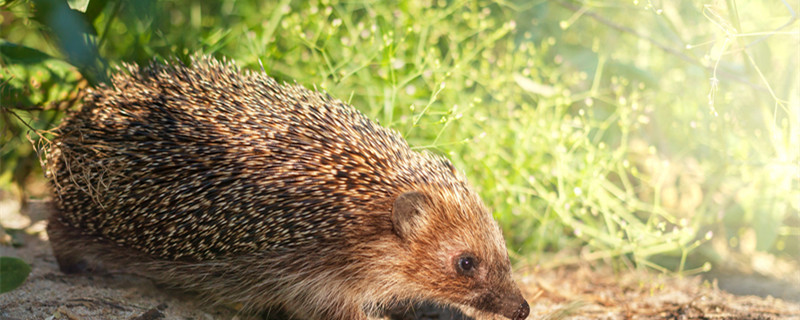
<point x="13" y="272"/>
<point x="634" y="131"/>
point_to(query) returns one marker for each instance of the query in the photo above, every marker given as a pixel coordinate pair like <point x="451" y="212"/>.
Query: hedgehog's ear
<point x="406" y="213"/>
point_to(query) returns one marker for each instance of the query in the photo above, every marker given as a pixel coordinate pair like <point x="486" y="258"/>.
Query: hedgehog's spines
<point x="148" y="102"/>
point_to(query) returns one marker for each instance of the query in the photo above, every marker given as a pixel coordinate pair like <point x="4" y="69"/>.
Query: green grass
<point x="607" y="131"/>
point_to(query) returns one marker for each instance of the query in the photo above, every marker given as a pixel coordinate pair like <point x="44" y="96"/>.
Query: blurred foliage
<point x="633" y="131"/>
<point x="13" y="272"/>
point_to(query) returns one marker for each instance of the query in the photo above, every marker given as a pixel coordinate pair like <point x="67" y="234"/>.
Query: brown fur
<point x="271" y="196"/>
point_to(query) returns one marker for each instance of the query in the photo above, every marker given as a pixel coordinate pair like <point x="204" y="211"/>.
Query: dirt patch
<point x="586" y="293"/>
<point x="566" y="293"/>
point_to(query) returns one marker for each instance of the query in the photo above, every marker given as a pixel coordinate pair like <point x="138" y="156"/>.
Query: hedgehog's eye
<point x="466" y="264"/>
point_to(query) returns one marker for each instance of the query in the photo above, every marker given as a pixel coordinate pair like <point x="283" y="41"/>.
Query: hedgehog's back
<point x="204" y="161"/>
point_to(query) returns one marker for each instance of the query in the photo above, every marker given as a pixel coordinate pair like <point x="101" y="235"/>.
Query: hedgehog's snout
<point x="521" y="312"/>
<point x="515" y="308"/>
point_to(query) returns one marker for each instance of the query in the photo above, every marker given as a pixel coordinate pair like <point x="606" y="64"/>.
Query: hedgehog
<point x="267" y="196"/>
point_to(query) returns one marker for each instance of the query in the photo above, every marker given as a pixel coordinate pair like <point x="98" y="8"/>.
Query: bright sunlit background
<point x="656" y="134"/>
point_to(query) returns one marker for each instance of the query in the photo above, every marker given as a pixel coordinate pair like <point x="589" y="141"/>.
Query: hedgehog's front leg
<point x="63" y="241"/>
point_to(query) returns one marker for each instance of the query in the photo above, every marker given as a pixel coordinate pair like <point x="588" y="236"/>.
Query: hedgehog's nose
<point x="522" y="312"/>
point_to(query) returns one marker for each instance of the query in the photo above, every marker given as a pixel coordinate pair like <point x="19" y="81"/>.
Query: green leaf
<point x="64" y="21"/>
<point x="8" y="4"/>
<point x="30" y="77"/>
<point x="13" y="272"/>
<point x="13" y="53"/>
<point x="73" y="35"/>
<point x="94" y="9"/>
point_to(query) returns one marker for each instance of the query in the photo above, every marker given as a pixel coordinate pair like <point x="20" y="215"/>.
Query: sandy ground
<point x="565" y="293"/>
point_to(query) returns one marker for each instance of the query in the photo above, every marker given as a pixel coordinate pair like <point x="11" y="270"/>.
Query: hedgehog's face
<point x="459" y="253"/>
